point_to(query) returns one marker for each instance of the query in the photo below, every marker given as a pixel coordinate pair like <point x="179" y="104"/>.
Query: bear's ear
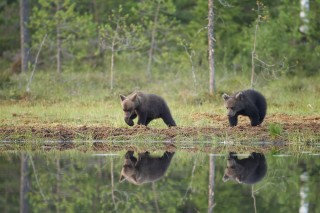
<point x="238" y="180"/>
<point x="122" y="97"/>
<point x="225" y="178"/>
<point x="225" y="96"/>
<point x="239" y="96"/>
<point x="133" y="98"/>
<point x="122" y="178"/>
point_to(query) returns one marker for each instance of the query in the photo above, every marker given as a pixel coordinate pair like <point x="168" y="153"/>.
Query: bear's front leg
<point x="133" y="116"/>
<point x="129" y="154"/>
<point x="233" y="120"/>
<point x="142" y="119"/>
<point x="129" y="121"/>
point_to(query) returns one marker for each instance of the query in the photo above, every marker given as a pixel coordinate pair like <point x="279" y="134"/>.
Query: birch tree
<point x="211" y="41"/>
<point x="117" y="35"/>
<point x="160" y="29"/>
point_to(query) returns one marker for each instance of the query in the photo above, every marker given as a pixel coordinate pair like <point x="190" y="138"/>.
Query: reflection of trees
<point x="75" y="182"/>
<point x="24" y="182"/>
<point x="211" y="183"/>
<point x="155" y="197"/>
<point x="253" y="195"/>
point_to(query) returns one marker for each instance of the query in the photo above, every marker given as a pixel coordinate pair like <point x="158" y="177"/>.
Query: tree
<point x="24" y="183"/>
<point x="211" y="46"/>
<point x="160" y="29"/>
<point x="24" y="34"/>
<point x="118" y="36"/>
<point x="67" y="30"/>
<point x="211" y="183"/>
<point x="153" y="39"/>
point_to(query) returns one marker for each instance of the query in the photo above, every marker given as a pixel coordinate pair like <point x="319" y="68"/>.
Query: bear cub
<point x="146" y="168"/>
<point x="248" y="170"/>
<point x="248" y="103"/>
<point x="147" y="107"/>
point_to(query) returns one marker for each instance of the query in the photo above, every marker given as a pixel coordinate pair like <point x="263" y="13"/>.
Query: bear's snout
<point x="231" y="113"/>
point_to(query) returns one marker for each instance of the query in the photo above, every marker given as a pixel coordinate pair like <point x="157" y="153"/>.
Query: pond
<point x="165" y="180"/>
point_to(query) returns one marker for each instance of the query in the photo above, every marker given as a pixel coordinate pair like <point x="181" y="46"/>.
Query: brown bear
<point x="146" y="168"/>
<point x="248" y="103"/>
<point x="247" y="170"/>
<point x="147" y="107"/>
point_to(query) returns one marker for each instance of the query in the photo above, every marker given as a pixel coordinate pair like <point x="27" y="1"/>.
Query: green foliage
<point x="275" y="129"/>
<point x="280" y="47"/>
<point x="5" y="80"/>
<point x="76" y="31"/>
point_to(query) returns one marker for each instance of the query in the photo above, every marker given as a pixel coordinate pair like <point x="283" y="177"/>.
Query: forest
<point x="65" y="65"/>
<point x="160" y="37"/>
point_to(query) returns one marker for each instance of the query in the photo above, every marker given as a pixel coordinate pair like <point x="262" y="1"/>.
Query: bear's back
<point x="258" y="100"/>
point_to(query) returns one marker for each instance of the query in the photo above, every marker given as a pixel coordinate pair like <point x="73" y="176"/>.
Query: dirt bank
<point x="306" y="128"/>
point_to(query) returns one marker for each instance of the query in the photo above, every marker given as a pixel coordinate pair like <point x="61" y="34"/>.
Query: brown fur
<point x="248" y="170"/>
<point x="248" y="103"/>
<point x="146" y="168"/>
<point x="146" y="107"/>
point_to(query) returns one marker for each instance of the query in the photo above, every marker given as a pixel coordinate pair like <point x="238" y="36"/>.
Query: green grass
<point x="275" y="129"/>
<point x="78" y="99"/>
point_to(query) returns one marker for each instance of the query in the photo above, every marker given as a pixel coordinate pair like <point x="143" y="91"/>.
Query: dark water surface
<point x="159" y="181"/>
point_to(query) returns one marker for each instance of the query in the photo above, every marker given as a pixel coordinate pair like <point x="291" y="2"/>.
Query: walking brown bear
<point x="248" y="103"/>
<point x="248" y="170"/>
<point x="146" y="168"/>
<point x="147" y="107"/>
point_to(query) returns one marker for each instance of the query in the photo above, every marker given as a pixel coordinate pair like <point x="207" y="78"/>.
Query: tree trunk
<point x="24" y="182"/>
<point x="112" y="185"/>
<point x="24" y="34"/>
<point x="153" y="41"/>
<point x="112" y="63"/>
<point x="211" y="46"/>
<point x="211" y="184"/>
<point x="58" y="186"/>
<point x="95" y="11"/>
<point x="58" y="39"/>
<point x="155" y="197"/>
<point x="304" y="12"/>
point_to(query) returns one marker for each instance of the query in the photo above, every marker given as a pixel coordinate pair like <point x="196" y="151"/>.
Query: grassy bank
<point x="76" y="100"/>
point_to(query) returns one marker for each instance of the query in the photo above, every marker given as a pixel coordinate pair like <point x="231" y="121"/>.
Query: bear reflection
<point x="248" y="170"/>
<point x="146" y="168"/>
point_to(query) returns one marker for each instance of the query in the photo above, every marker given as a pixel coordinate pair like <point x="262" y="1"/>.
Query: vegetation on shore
<point x="82" y="108"/>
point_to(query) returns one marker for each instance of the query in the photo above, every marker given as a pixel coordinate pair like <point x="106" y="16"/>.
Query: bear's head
<point x="129" y="105"/>
<point x="128" y="171"/>
<point x="233" y="171"/>
<point x="234" y="103"/>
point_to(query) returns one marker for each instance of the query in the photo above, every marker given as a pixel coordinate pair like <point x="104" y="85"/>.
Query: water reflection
<point x="248" y="170"/>
<point x="81" y="182"/>
<point x="146" y="168"/>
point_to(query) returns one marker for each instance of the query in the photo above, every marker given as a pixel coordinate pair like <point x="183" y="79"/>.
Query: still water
<point x="159" y="181"/>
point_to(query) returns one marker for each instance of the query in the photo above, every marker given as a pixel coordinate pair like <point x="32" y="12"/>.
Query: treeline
<point x="161" y="36"/>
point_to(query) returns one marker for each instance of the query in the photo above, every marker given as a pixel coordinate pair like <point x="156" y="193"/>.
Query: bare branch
<point x="35" y="64"/>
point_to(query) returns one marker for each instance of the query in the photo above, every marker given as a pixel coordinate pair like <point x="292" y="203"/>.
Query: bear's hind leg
<point x="254" y="117"/>
<point x="168" y="120"/>
<point x="255" y="121"/>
